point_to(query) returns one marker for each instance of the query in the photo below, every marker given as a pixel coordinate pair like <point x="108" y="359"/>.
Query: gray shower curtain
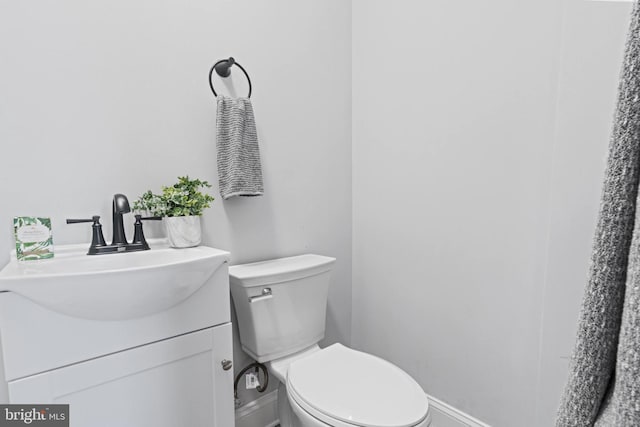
<point x="603" y="388"/>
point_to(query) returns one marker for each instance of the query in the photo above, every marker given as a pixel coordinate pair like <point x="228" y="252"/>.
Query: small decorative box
<point x="33" y="238"/>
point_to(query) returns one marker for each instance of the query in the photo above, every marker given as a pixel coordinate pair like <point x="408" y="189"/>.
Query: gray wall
<point x="112" y="96"/>
<point x="479" y="136"/>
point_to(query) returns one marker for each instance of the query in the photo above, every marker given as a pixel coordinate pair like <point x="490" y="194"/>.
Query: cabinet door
<point x="170" y="383"/>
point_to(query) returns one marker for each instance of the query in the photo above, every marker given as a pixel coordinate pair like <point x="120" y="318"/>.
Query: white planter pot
<point x="183" y="231"/>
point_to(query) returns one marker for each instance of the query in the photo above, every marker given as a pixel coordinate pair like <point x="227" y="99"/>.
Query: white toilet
<point x="281" y="308"/>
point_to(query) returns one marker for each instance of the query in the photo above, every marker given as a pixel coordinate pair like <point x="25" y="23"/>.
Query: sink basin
<point x="115" y="286"/>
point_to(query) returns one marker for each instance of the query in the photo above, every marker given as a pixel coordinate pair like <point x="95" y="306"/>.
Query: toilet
<point x="281" y="309"/>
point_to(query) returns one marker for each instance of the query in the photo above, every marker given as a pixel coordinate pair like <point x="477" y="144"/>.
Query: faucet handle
<point x="148" y="218"/>
<point x="97" y="238"/>
<point x="138" y="234"/>
<point x="95" y="219"/>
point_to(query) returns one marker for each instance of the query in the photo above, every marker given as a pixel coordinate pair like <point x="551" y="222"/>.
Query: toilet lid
<point x="356" y="388"/>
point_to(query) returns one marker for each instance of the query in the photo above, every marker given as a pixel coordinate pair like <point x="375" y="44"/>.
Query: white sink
<point x="113" y="286"/>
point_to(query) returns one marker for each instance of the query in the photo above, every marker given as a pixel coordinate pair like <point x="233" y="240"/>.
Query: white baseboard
<point x="445" y="415"/>
<point x="262" y="412"/>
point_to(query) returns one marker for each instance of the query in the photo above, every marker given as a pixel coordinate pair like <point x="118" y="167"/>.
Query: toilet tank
<point x="281" y="304"/>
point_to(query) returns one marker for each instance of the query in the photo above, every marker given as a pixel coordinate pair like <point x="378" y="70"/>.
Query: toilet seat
<point x="347" y="388"/>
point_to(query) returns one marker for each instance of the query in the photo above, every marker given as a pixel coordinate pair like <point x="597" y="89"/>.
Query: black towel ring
<point x="223" y="68"/>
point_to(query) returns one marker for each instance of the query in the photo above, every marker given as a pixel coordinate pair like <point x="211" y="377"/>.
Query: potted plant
<point x="180" y="207"/>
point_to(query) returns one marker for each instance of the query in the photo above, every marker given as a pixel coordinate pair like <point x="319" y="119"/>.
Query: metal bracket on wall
<point x="223" y="69"/>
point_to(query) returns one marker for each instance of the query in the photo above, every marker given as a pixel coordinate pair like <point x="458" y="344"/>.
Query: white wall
<point x="592" y="49"/>
<point x="112" y="96"/>
<point x="479" y="135"/>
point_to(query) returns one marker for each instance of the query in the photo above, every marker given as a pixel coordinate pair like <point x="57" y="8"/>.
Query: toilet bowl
<point x="340" y="387"/>
<point x="281" y="308"/>
<point x="305" y="419"/>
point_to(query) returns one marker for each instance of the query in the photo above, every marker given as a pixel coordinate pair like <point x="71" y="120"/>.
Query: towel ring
<point x="223" y="69"/>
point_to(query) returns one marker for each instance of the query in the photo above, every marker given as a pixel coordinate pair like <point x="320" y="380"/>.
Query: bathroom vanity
<point x="138" y="339"/>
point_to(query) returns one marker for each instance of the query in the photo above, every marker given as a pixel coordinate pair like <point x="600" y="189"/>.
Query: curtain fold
<point x="603" y="387"/>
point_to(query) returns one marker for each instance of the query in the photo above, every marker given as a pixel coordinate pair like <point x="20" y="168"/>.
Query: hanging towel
<point x="239" y="169"/>
<point x="603" y="388"/>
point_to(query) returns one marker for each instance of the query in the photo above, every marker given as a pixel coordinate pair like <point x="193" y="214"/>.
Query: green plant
<point x="181" y="199"/>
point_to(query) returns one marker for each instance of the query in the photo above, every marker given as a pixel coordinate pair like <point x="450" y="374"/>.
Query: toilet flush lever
<point x="266" y="294"/>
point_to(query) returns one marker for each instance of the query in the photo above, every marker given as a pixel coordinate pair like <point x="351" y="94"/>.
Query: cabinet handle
<point x="226" y="364"/>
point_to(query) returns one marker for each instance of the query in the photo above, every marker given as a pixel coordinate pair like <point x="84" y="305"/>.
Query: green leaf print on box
<point x="33" y="238"/>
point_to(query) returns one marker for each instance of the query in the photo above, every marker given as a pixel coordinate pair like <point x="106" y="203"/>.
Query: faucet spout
<point x="120" y="206"/>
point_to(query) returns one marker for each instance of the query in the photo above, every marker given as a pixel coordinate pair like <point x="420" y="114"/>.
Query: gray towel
<point x="603" y="388"/>
<point x="239" y="170"/>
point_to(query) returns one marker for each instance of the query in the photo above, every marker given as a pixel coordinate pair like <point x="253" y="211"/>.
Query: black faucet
<point x="120" y="206"/>
<point x="119" y="242"/>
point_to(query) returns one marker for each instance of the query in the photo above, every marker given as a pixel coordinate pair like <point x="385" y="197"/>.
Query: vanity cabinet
<point x="167" y="369"/>
<point x="175" y="382"/>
